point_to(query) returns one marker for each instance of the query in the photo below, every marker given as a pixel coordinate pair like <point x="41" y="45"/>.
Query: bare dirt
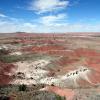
<point x="68" y="65"/>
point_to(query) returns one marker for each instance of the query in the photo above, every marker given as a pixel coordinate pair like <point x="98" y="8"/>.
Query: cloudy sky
<point x="49" y="16"/>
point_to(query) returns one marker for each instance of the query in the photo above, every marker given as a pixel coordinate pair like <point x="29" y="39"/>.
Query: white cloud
<point x="42" y="6"/>
<point x="27" y="27"/>
<point x="48" y="24"/>
<point x="52" y="19"/>
<point x="14" y="26"/>
<point x="2" y="15"/>
<point x="76" y="27"/>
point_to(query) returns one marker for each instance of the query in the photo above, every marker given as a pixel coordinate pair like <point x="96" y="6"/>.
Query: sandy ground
<point x="33" y="71"/>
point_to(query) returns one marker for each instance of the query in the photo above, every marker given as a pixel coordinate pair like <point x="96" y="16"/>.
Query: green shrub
<point x="22" y="87"/>
<point x="10" y="58"/>
<point x="60" y="97"/>
<point x="3" y="52"/>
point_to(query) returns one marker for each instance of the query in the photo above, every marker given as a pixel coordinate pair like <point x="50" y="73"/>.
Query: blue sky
<point x="50" y="16"/>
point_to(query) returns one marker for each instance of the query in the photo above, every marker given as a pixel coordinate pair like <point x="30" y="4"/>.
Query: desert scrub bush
<point x="9" y="58"/>
<point x="14" y="58"/>
<point x="3" y="52"/>
<point x="24" y="57"/>
<point x="7" y="89"/>
<point x="4" y="98"/>
<point x="22" y="87"/>
<point x="60" y="97"/>
<point x="36" y="95"/>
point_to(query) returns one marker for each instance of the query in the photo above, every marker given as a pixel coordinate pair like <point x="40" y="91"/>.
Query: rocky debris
<point x="71" y="79"/>
<point x="16" y="53"/>
<point x="20" y="75"/>
<point x="34" y="72"/>
<point x="30" y="72"/>
<point x="4" y="47"/>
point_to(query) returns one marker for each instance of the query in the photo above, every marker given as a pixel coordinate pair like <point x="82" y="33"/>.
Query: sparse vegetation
<point x="60" y="98"/>
<point x="9" y="91"/>
<point x="24" y="57"/>
<point x="4" y="98"/>
<point x="3" y="52"/>
<point x="10" y="58"/>
<point x="48" y="57"/>
<point x="22" y="87"/>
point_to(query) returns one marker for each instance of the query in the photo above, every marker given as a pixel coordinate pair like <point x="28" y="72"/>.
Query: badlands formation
<point x="66" y="65"/>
